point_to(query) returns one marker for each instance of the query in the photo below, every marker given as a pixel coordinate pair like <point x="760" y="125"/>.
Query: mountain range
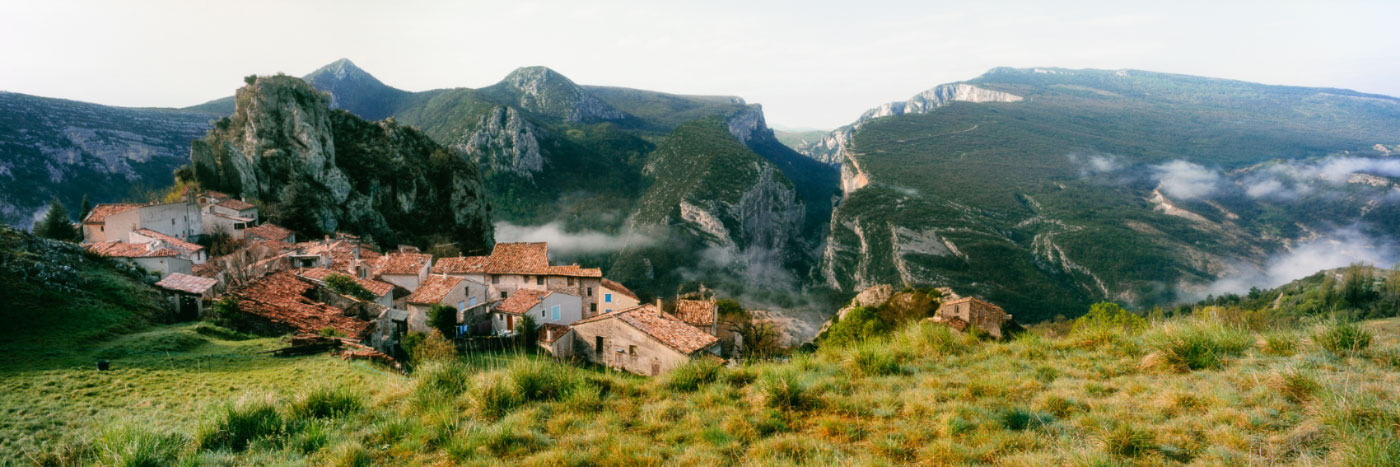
<point x="1041" y="189"/>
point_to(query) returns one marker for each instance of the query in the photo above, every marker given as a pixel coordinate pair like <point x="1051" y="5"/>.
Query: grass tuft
<point x="785" y="390"/>
<point x="326" y="402"/>
<point x="131" y="445"/>
<point x="1343" y="339"/>
<point x="237" y="425"/>
<point x="693" y="374"/>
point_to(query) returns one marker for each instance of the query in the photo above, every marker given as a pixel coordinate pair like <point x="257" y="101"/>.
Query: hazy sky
<point x="811" y="64"/>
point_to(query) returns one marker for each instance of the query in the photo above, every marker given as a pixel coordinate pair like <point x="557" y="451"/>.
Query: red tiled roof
<point x="215" y="195"/>
<point x="235" y="204"/>
<point x="280" y="298"/>
<point x="375" y="287"/>
<point x="619" y="288"/>
<point x="696" y="312"/>
<point x="402" y="263"/>
<point x="130" y="250"/>
<point x="461" y="265"/>
<point x="100" y="212"/>
<point x="268" y="232"/>
<point x="551" y="332"/>
<point x="187" y="283"/>
<point x="673" y="333"/>
<point x="171" y="241"/>
<point x="522" y="301"/>
<point x="519" y="258"/>
<point x="433" y="289"/>
<point x="573" y="270"/>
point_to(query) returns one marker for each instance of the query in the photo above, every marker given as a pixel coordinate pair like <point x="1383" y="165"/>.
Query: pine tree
<point x="86" y="208"/>
<point x="56" y="224"/>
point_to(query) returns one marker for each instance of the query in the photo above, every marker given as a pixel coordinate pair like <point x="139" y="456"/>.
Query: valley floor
<point x="920" y="395"/>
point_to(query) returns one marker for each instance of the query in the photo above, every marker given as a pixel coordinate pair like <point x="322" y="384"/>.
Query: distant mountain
<point x="1047" y="189"/>
<point x="797" y="139"/>
<point x="65" y="149"/>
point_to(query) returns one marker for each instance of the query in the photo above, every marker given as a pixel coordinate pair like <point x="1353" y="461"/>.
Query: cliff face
<point x="66" y="149"/>
<point x="318" y="171"/>
<point x="506" y="142"/>
<point x="545" y="92"/>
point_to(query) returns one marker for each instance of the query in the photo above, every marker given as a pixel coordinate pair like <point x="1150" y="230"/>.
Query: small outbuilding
<point x="185" y="294"/>
<point x="976" y="313"/>
<point x="641" y="340"/>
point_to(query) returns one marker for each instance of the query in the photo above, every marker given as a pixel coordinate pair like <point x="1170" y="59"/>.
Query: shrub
<point x="1109" y="316"/>
<point x="542" y="381"/>
<point x="235" y="426"/>
<point x="1343" y="339"/>
<point x="131" y="445"/>
<point x="860" y="323"/>
<point x="693" y="374"/>
<point x="785" y="390"/>
<point x="444" y="319"/>
<point x="1199" y="347"/>
<point x="345" y="285"/>
<point x="326" y="402"/>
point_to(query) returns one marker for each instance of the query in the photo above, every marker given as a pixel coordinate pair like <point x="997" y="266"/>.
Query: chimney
<point x="658" y="307"/>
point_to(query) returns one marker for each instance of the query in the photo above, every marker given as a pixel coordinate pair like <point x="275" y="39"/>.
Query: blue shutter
<point x="556" y="312"/>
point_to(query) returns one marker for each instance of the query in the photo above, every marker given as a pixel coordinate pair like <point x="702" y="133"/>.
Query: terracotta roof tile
<point x="461" y="265"/>
<point x="130" y="250"/>
<point x="187" y="283"/>
<point x="573" y="270"/>
<point x="170" y="241"/>
<point x="696" y="312"/>
<point x="518" y="258"/>
<point x="402" y="263"/>
<point x="433" y="289"/>
<point x="522" y="301"/>
<point x="280" y="298"/>
<point x="375" y="287"/>
<point x="215" y="195"/>
<point x="100" y="212"/>
<point x="235" y="204"/>
<point x="619" y="288"/>
<point x="673" y="333"/>
<point x="268" y="232"/>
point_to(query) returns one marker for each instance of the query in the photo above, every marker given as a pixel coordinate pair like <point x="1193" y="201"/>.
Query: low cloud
<point x="567" y="243"/>
<point x="1095" y="164"/>
<point x="1337" y="249"/>
<point x="1185" y="180"/>
<point x="1288" y="180"/>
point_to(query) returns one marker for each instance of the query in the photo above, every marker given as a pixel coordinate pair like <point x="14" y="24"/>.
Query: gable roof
<point x="170" y="241"/>
<point x="522" y="301"/>
<point x="268" y="232"/>
<point x="671" y="332"/>
<point x="619" y="288"/>
<point x="973" y="300"/>
<point x="99" y="213"/>
<point x="518" y="258"/>
<point x="130" y="250"/>
<point x="186" y="283"/>
<point x="551" y="332"/>
<point x="279" y="298"/>
<point x="433" y="290"/>
<point x="215" y="195"/>
<point x="461" y="265"/>
<point x="696" y="312"/>
<point x="235" y="204"/>
<point x="379" y="289"/>
<point x="402" y="263"/>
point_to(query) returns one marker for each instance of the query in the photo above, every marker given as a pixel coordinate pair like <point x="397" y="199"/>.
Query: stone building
<point x="525" y="266"/>
<point x="966" y="312"/>
<point x="641" y="340"/>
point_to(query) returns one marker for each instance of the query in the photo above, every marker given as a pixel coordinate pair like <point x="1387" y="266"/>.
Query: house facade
<point x="641" y="340"/>
<point x="115" y="222"/>
<point x="404" y="269"/>
<point x="464" y="295"/>
<point x="190" y="251"/>
<point x="154" y="259"/>
<point x="542" y="306"/>
<point x="973" y="312"/>
<point x="525" y="266"/>
<point x="616" y="296"/>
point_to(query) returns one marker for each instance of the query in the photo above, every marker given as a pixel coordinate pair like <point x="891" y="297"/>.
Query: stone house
<point x="525" y="266"/>
<point x="461" y="294"/>
<point x="115" y="222"/>
<point x="403" y="269"/>
<point x="617" y="296"/>
<point x="235" y="208"/>
<point x="270" y="232"/>
<point x="195" y="253"/>
<point x="185" y="294"/>
<point x="543" y="306"/>
<point x="701" y="314"/>
<point x="165" y="261"/>
<point x="641" y="340"/>
<point x="383" y="291"/>
<point x="974" y="312"/>
<point x="557" y="339"/>
<point x="95" y="224"/>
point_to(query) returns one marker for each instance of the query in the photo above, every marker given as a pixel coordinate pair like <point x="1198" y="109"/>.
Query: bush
<point x="235" y="426"/>
<point x="785" y="390"/>
<point x="1199" y="347"/>
<point x="444" y="319"/>
<point x="1343" y="339"/>
<point x="130" y="445"/>
<point x="860" y="323"/>
<point x="693" y="374"/>
<point x="326" y="402"/>
<point x="1109" y="316"/>
<point x="423" y="348"/>
<point x="542" y="381"/>
<point x="345" y="285"/>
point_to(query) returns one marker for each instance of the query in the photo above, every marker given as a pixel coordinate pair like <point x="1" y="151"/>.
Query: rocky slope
<point x="67" y="149"/>
<point x="319" y="170"/>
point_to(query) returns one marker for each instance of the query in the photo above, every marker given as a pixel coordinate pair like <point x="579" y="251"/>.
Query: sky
<point x="811" y="64"/>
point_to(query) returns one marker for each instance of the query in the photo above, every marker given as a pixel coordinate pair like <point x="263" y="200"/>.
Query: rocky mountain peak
<point x="354" y="89"/>
<point x="543" y="91"/>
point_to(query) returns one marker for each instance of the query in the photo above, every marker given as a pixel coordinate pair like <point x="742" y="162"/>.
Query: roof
<point x="522" y="301"/>
<point x="696" y="312"/>
<point x="674" y="334"/>
<point x="518" y="258"/>
<point x="970" y="299"/>
<point x="280" y="298"/>
<point x="341" y="252"/>
<point x="215" y="195"/>
<point x="170" y="241"/>
<point x="269" y="232"/>
<point x="379" y="289"/>
<point x="619" y="288"/>
<point x="549" y="333"/>
<point x="433" y="289"/>
<point x="461" y="265"/>
<point x="235" y="204"/>
<point x="402" y="263"/>
<point x="573" y="270"/>
<point x="100" y="212"/>
<point x="130" y="250"/>
<point x="186" y="283"/>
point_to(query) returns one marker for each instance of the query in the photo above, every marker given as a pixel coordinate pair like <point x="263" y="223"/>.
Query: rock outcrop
<point x="543" y="91"/>
<point x="505" y="141"/>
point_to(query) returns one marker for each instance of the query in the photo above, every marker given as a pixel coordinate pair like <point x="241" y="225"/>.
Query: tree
<point x="1108" y="315"/>
<point x="527" y="331"/>
<point x="250" y="79"/>
<point x="86" y="208"/>
<point x="57" y="225"/>
<point x="760" y="338"/>
<point x="345" y="285"/>
<point x="444" y="319"/>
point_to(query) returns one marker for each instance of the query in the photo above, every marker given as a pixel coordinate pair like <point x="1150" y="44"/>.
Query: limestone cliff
<point x="318" y="170"/>
<point x="545" y="92"/>
<point x="506" y="142"/>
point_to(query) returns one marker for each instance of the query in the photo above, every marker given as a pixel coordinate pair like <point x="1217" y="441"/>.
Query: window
<point x="462" y="306"/>
<point x="503" y="295"/>
<point x="554" y="313"/>
<point x="590" y="291"/>
<point x="539" y="280"/>
<point x="632" y="350"/>
<point x="609" y="310"/>
<point x="472" y="301"/>
<point x="592" y="307"/>
<point x="541" y="313"/>
<point x="495" y="279"/>
<point x="571" y="280"/>
<point x="607" y="298"/>
<point x="598" y="344"/>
